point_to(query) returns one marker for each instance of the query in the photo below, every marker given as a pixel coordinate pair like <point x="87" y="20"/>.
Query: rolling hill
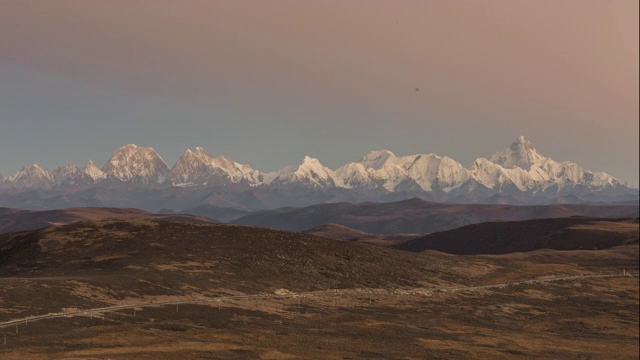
<point x="345" y="233"/>
<point x="18" y="220"/>
<point x="270" y="258"/>
<point x="417" y="216"/>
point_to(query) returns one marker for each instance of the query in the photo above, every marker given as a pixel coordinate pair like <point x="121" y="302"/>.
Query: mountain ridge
<point x="13" y="220"/>
<point x="417" y="216"/>
<point x="516" y="171"/>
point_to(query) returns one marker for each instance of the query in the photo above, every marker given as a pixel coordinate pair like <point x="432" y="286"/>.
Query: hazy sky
<point x="267" y="82"/>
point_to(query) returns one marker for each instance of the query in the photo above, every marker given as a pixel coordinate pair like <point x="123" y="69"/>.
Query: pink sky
<point x="557" y="71"/>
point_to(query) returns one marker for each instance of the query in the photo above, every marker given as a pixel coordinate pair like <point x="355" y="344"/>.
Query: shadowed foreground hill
<point x="18" y="220"/>
<point x="417" y="216"/>
<point x="574" y="233"/>
<point x="247" y="258"/>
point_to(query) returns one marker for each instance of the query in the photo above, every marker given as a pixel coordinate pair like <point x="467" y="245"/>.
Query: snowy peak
<point x="32" y="176"/>
<point x="382" y="168"/>
<point x="450" y="173"/>
<point x="201" y="168"/>
<point x="355" y="175"/>
<point x="520" y="154"/>
<point x="92" y="171"/>
<point x="309" y="173"/>
<point x="377" y="158"/>
<point x="522" y="167"/>
<point x="136" y="164"/>
<point x="311" y="165"/>
<point x="310" y="162"/>
<point x="501" y="179"/>
<point x="68" y="175"/>
<point x="188" y="168"/>
<point x="519" y="169"/>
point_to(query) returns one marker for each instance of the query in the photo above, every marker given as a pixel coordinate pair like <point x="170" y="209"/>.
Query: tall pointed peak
<point x="308" y="159"/>
<point x="311" y="164"/>
<point x="520" y="153"/>
<point x="309" y="172"/>
<point x="90" y="166"/>
<point x="307" y="163"/>
<point x="198" y="156"/>
<point x="522" y="142"/>
<point x="93" y="171"/>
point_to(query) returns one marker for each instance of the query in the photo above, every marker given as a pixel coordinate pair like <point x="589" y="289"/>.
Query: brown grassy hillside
<point x="18" y="220"/>
<point x="281" y="295"/>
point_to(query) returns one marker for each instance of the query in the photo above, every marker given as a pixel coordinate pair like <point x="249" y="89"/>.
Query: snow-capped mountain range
<point x="517" y="169"/>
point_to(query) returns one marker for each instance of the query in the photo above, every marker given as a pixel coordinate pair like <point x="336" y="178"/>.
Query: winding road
<point x="335" y="292"/>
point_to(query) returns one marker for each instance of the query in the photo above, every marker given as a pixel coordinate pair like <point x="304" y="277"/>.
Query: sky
<point x="268" y="82"/>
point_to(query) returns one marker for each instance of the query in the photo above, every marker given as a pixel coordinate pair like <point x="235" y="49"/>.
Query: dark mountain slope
<point x="574" y="233"/>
